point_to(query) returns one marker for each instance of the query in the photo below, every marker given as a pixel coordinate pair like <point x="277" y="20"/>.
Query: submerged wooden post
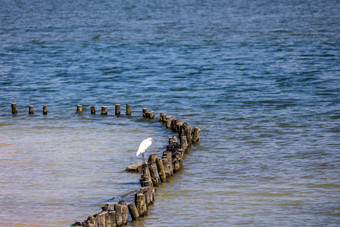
<point x="93" y="110"/>
<point x="117" y="109"/>
<point x="79" y="109"/>
<point x="128" y="109"/>
<point x="44" y="109"/>
<point x="195" y="134"/>
<point x="30" y="109"/>
<point x="14" y="108"/>
<point x="161" y="170"/>
<point x="145" y="110"/>
<point x="133" y="211"/>
<point x="104" y="110"/>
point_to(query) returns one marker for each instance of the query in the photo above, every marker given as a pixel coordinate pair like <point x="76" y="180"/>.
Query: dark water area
<point x="260" y="78"/>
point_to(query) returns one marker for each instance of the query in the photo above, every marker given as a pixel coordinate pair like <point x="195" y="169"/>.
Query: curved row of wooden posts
<point x="154" y="172"/>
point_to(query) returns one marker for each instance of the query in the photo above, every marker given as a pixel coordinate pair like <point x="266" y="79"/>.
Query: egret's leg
<point x="143" y="157"/>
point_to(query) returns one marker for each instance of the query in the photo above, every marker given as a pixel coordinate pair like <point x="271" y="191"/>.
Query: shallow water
<point x="260" y="78"/>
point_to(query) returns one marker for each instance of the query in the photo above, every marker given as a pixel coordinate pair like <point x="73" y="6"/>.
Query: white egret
<point x="143" y="146"/>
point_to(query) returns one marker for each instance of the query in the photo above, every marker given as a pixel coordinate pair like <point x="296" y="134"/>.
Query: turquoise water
<point x="260" y="78"/>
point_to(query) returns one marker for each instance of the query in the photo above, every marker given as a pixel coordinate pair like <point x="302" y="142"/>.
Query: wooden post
<point x="161" y="170"/>
<point x="124" y="212"/>
<point x="100" y="219"/>
<point x="111" y="219"/>
<point x="44" y="109"/>
<point x="179" y="124"/>
<point x="177" y="161"/>
<point x="153" y="170"/>
<point x="167" y="162"/>
<point x="133" y="211"/>
<point x="147" y="191"/>
<point x="30" y="109"/>
<point x="119" y="217"/>
<point x="117" y="109"/>
<point x="151" y="114"/>
<point x="145" y="110"/>
<point x="145" y="179"/>
<point x="175" y="124"/>
<point x="184" y="142"/>
<point x="162" y="117"/>
<point x="14" y="108"/>
<point x="93" y="110"/>
<point x="195" y="134"/>
<point x="173" y="139"/>
<point x="128" y="109"/>
<point x="185" y="130"/>
<point x="141" y="204"/>
<point x="79" y="109"/>
<point x="104" y="110"/>
<point x="168" y="121"/>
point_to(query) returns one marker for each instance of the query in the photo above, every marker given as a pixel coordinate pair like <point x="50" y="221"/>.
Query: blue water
<point x="260" y="78"/>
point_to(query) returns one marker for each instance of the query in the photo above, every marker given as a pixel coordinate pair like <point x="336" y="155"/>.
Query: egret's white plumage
<point x="143" y="146"/>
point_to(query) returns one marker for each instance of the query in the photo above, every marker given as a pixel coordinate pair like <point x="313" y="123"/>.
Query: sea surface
<point x="260" y="78"/>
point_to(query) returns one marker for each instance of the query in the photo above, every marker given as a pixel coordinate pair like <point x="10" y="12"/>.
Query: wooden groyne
<point x="155" y="171"/>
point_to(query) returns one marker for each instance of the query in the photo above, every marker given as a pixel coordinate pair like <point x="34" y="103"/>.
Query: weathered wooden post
<point x="117" y="110"/>
<point x="104" y="110"/>
<point x="128" y="109"/>
<point x="44" y="109"/>
<point x="93" y="110"/>
<point x="141" y="204"/>
<point x="173" y="139"/>
<point x="145" y="179"/>
<point x="153" y="170"/>
<point x="30" y="109"/>
<point x="124" y="211"/>
<point x="133" y="211"/>
<point x="145" y="110"/>
<point x="14" y="108"/>
<point x="119" y="215"/>
<point x="167" y="162"/>
<point x="179" y="124"/>
<point x="162" y="117"/>
<point x="79" y="109"/>
<point x="151" y="114"/>
<point x="168" y="121"/>
<point x="147" y="191"/>
<point x="195" y="134"/>
<point x="177" y="160"/>
<point x="186" y="131"/>
<point x="161" y="170"/>
<point x="184" y="143"/>
<point x="111" y="218"/>
<point x="100" y="219"/>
